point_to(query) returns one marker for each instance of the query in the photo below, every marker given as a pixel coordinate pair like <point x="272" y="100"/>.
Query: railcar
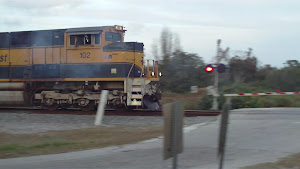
<point x="64" y="68"/>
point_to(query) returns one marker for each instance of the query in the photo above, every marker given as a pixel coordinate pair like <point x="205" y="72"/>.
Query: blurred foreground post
<point x="101" y="107"/>
<point x="173" y="124"/>
<point x="223" y="131"/>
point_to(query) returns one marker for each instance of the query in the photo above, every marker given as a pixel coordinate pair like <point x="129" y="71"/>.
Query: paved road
<point x="255" y="136"/>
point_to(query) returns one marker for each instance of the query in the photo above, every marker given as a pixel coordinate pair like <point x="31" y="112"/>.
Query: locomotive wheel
<point x="89" y="107"/>
<point x="52" y="107"/>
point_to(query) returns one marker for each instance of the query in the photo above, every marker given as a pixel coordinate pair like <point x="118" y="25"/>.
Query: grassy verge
<point x="259" y="101"/>
<point x="289" y="162"/>
<point x="266" y="101"/>
<point x="19" y="145"/>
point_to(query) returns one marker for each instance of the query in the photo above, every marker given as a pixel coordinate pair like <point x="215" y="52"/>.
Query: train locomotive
<point x="65" y="68"/>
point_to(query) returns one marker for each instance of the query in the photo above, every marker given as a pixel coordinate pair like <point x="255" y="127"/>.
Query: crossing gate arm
<point x="262" y="94"/>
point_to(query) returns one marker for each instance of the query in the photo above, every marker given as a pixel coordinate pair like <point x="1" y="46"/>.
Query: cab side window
<point x="72" y="40"/>
<point x="87" y="39"/>
<point x="80" y="40"/>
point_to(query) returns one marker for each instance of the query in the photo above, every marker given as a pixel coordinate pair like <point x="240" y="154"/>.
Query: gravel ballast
<point x="22" y="123"/>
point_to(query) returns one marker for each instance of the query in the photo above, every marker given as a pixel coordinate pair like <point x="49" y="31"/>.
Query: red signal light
<point x="209" y="68"/>
<point x="277" y="91"/>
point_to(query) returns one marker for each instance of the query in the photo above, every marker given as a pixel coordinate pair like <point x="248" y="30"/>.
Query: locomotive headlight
<point x="160" y="74"/>
<point x="118" y="27"/>
<point x="152" y="73"/>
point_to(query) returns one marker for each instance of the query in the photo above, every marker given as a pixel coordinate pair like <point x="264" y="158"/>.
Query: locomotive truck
<point x="64" y="68"/>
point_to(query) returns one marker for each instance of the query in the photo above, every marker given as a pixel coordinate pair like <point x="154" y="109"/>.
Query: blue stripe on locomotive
<point x="4" y="72"/>
<point x="44" y="71"/>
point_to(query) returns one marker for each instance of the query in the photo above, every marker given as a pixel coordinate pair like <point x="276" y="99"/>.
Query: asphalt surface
<point x="255" y="136"/>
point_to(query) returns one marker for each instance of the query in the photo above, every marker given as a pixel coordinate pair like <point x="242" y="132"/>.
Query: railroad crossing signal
<point x="209" y="68"/>
<point x="221" y="68"/>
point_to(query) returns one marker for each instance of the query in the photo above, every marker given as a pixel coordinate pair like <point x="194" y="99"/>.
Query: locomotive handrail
<point x="156" y="66"/>
<point x="128" y="77"/>
<point x="148" y="68"/>
<point x="130" y="70"/>
<point x="154" y="69"/>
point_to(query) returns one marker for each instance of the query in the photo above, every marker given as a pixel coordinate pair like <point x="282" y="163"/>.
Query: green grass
<point x="266" y="101"/>
<point x="9" y="147"/>
<point x="52" y="142"/>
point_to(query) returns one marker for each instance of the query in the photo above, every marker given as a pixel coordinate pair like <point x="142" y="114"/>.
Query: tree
<point x="264" y="72"/>
<point x="166" y="45"/>
<point x="285" y="79"/>
<point x="180" y="69"/>
<point x="243" y="70"/>
<point x="186" y="70"/>
<point x="292" y="63"/>
<point x="154" y="51"/>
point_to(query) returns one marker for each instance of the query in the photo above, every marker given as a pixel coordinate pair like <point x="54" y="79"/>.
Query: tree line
<point x="181" y="70"/>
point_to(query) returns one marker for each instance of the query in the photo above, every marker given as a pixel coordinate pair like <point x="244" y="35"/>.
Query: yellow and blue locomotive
<point x="69" y="68"/>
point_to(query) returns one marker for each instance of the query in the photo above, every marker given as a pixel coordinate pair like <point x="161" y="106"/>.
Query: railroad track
<point x="108" y="112"/>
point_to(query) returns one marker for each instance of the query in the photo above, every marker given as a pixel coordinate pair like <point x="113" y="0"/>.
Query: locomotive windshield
<point x="111" y="36"/>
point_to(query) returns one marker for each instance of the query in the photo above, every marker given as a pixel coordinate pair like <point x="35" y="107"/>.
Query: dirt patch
<point x="289" y="162"/>
<point x="192" y="101"/>
<point x="19" y="145"/>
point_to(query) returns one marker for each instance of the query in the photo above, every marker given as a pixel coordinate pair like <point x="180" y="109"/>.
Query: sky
<point x="270" y="27"/>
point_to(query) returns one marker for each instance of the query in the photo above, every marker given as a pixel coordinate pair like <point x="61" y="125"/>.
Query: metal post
<point x="175" y="120"/>
<point x="101" y="107"/>
<point x="173" y="126"/>
<point x="223" y="131"/>
<point x="215" y="105"/>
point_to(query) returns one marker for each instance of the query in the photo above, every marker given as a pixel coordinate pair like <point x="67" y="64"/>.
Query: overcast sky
<point x="270" y="27"/>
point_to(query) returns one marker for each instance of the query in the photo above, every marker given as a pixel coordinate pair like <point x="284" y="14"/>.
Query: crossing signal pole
<point x="221" y="54"/>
